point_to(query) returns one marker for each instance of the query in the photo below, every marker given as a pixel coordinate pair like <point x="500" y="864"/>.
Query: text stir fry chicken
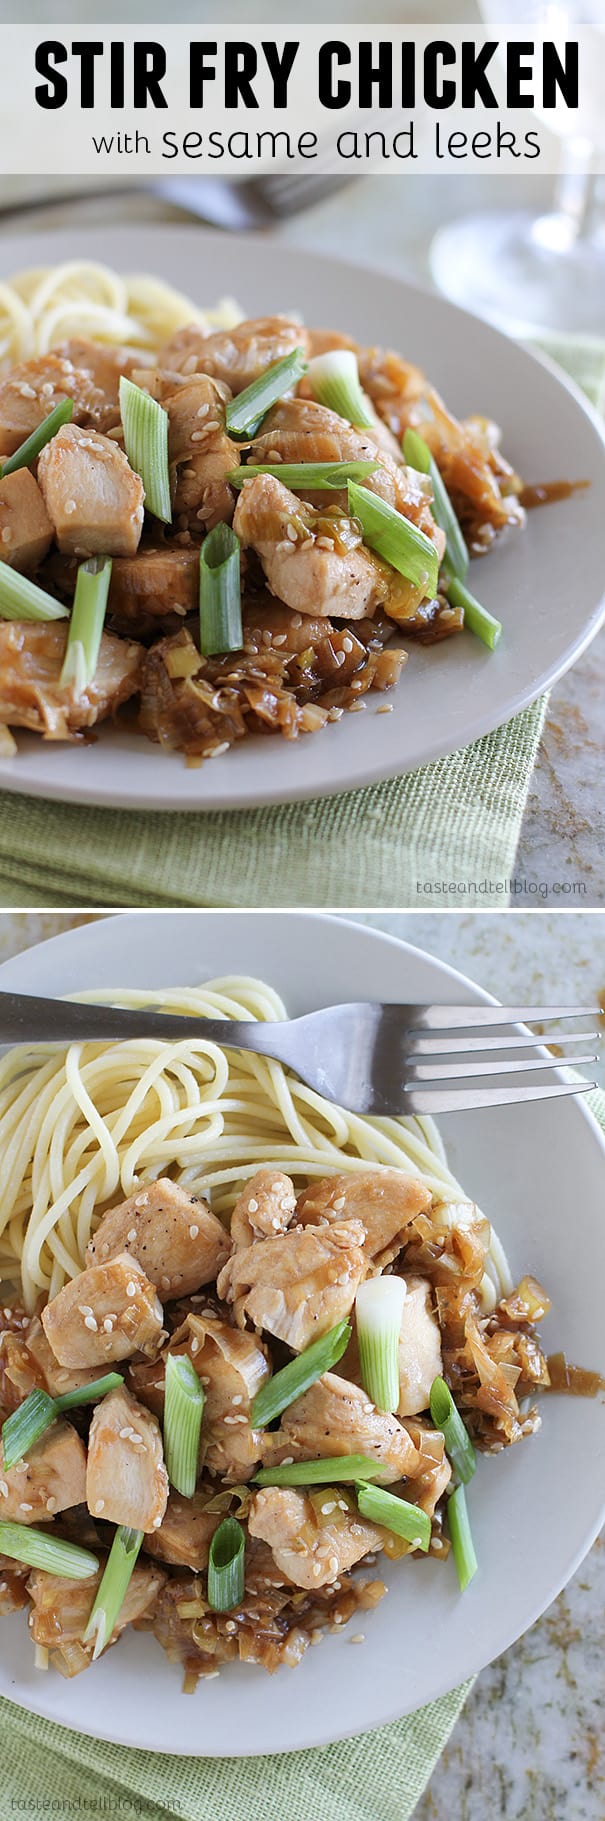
<point x="234" y="538"/>
<point x="214" y="1434"/>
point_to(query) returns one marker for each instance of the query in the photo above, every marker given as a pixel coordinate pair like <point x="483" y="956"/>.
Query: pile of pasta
<point x="46" y="305"/>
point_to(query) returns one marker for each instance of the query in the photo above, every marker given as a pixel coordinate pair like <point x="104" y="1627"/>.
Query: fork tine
<point x="467" y="1046"/>
<point x="453" y="1100"/>
<point x="462" y="1017"/>
<point x="465" y="1071"/>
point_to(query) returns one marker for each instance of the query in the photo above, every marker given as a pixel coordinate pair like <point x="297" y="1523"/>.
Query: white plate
<point x="546" y="584"/>
<point x="535" y="1509"/>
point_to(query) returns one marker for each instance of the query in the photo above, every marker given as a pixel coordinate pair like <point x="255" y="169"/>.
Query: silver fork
<point x="366" y="1057"/>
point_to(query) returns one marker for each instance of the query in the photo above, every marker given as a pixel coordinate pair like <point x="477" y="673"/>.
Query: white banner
<point x="233" y="100"/>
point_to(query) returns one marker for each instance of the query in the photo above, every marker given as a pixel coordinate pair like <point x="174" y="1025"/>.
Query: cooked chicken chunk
<point x="126" y="1480"/>
<point x="61" y="1610"/>
<point x="153" y="591"/>
<point x="177" y="1240"/>
<point x="29" y="1361"/>
<point x="434" y="1473"/>
<point x="26" y="532"/>
<point x="32" y="389"/>
<point x="52" y="1479"/>
<point x="232" y="1367"/>
<point x="298" y="430"/>
<point x="200" y="453"/>
<point x="315" y="560"/>
<point x="13" y="1589"/>
<point x="31" y="657"/>
<point x="309" y="1553"/>
<point x="108" y="1312"/>
<point x="235" y="356"/>
<point x="91" y="494"/>
<point x="386" y="1201"/>
<point x="419" y="1348"/>
<point x="297" y="1285"/>
<point x="337" y="1417"/>
<point x="264" y="1208"/>
<point x="186" y="1531"/>
<point x="105" y="367"/>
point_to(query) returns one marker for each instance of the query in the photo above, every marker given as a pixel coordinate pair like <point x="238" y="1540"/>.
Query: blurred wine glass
<point x="529" y="271"/>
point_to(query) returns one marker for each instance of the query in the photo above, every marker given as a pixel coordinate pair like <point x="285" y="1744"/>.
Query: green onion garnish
<point x="245" y="413"/>
<point x="334" y="381"/>
<point x="25" y="1425"/>
<point x="145" y="425"/>
<point x="405" y="1520"/>
<point x="183" y="1407"/>
<point x="395" y="539"/>
<point x="113" y="1589"/>
<point x="226" y="1566"/>
<point x="39" y="1550"/>
<point x="313" y="476"/>
<point x="299" y="1374"/>
<point x="460" y="1533"/>
<point x="333" y="1469"/>
<point x="220" y="593"/>
<point x="447" y="1418"/>
<point x="418" y="454"/>
<point x="30" y="449"/>
<point x="476" y="617"/>
<point x="378" y="1306"/>
<point x="21" y="599"/>
<point x="86" y="624"/>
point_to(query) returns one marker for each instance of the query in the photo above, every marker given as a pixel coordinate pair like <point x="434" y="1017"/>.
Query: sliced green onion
<point x="313" y="476"/>
<point x="21" y="599"/>
<point x="418" y="454"/>
<point x="86" y="624"/>
<point x="333" y="1469"/>
<point x="334" y="381"/>
<point x="40" y="1550"/>
<point x="299" y="1374"/>
<point x="395" y="539"/>
<point x="183" y="1407"/>
<point x="405" y="1520"/>
<point x="25" y="1426"/>
<point x="462" y="1542"/>
<point x="145" y="425"/>
<point x="26" y="454"/>
<point x="226" y="1566"/>
<point x="245" y="413"/>
<point x="90" y="1394"/>
<point x="220" y="592"/>
<point x="476" y="617"/>
<point x="447" y="1418"/>
<point x="113" y="1589"/>
<point x="378" y="1308"/>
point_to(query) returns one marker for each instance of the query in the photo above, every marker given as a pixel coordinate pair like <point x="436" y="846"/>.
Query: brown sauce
<point x="575" y="1379"/>
<point x="547" y="493"/>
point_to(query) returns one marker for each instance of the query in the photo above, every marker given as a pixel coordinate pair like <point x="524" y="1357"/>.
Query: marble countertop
<point x="529" y="1745"/>
<point x="376" y="222"/>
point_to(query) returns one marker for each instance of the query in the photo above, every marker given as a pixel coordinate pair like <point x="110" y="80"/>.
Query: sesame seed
<point x="51" y="1503"/>
<point x="99" y="1507"/>
<point x="195" y="1345"/>
<point x="358" y="1638"/>
<point x="131" y="1289"/>
<point x="3" y="1489"/>
<point x="291" y="533"/>
<point x="280" y="638"/>
<point x="339" y="659"/>
<point x="385" y="708"/>
<point x="357" y="708"/>
<point x="108" y="1325"/>
<point x="252" y="1207"/>
<point x="132" y="1235"/>
<point x="193" y="1232"/>
<point x="316" y="1570"/>
<point x="230" y="1625"/>
<point x="347" y="644"/>
<point x="156" y="1523"/>
<point x="70" y="506"/>
<point x="238" y="1399"/>
<point x="90" y="1322"/>
<point x="26" y="1507"/>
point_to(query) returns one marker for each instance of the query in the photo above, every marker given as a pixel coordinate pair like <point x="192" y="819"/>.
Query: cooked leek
<point x="113" y="1589"/>
<point x="447" y="1418"/>
<point x="463" y="1547"/>
<point x="220" y="593"/>
<point x="245" y="414"/>
<point x="378" y="1308"/>
<point x="226" y="1566"/>
<point x="418" y="454"/>
<point x="26" y="1424"/>
<point x="33" y="445"/>
<point x="145" y="425"/>
<point x="405" y="1520"/>
<point x="21" y="599"/>
<point x="183" y="1408"/>
<point x="332" y="1469"/>
<point x="312" y="476"/>
<point x="86" y="624"/>
<point x="334" y="381"/>
<point x="38" y="1549"/>
<point x="476" y="618"/>
<point x="395" y="539"/>
<point x="299" y="1374"/>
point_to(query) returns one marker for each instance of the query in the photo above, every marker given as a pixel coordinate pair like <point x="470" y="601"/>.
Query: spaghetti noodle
<point x="46" y="305"/>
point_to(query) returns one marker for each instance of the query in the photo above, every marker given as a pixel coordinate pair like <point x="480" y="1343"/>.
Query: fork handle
<point x="27" y="1019"/>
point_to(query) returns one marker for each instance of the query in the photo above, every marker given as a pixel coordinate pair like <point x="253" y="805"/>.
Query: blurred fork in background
<point x="230" y="203"/>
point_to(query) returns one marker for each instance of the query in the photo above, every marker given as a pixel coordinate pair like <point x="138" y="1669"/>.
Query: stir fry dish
<point x="232" y="531"/>
<point x="214" y="1430"/>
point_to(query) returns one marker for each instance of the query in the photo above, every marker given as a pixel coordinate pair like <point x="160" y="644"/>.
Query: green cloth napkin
<point x="379" y="1776"/>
